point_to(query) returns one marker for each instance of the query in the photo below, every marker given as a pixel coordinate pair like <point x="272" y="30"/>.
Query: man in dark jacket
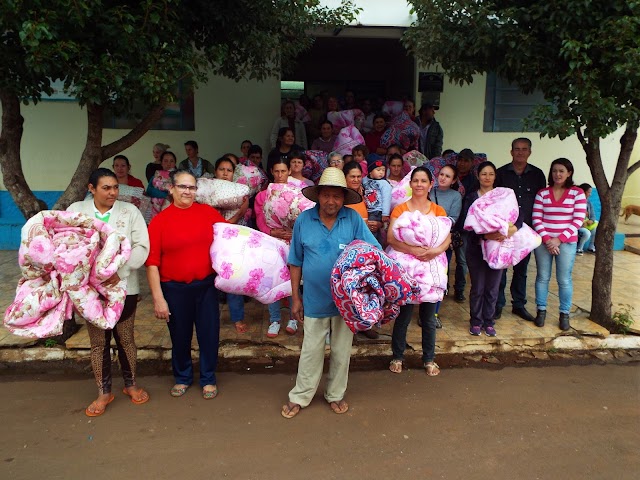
<point x="526" y="181"/>
<point x="431" y="134"/>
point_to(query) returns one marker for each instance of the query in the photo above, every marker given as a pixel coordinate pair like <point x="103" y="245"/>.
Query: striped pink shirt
<point x="559" y="218"/>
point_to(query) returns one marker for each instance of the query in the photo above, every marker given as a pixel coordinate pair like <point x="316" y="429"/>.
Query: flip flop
<point x="178" y="391"/>
<point x="97" y="412"/>
<point x="396" y="365"/>
<point x="290" y="410"/>
<point x="432" y="369"/>
<point x="210" y="394"/>
<point x="138" y="397"/>
<point x="339" y="407"/>
<point x="241" y="327"/>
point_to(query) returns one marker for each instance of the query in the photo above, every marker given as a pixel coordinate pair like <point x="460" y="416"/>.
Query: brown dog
<point x="630" y="210"/>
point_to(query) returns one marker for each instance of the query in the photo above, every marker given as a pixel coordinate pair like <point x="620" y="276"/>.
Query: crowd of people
<point x="175" y="248"/>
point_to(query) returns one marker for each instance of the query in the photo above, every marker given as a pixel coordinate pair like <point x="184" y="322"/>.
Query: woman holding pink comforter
<point x="127" y="219"/>
<point x="485" y="281"/>
<point x="421" y="184"/>
<point x="280" y="171"/>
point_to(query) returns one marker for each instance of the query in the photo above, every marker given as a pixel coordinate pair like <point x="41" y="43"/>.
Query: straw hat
<point x="332" y="177"/>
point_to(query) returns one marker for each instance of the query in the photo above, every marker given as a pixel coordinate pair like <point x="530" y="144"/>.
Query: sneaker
<point x="591" y="250"/>
<point x="459" y="296"/>
<point x="292" y="327"/>
<point x="579" y="253"/>
<point x="274" y="330"/>
<point x="490" y="331"/>
<point x="438" y="322"/>
<point x="475" y="330"/>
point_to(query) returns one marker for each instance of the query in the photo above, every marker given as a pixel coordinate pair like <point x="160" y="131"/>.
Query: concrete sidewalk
<point x="514" y="334"/>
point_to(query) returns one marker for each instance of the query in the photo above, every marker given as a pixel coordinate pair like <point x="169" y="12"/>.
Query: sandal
<point x="138" y="396"/>
<point x="290" y="410"/>
<point x="98" y="408"/>
<point x="209" y="394"/>
<point x="432" y="369"/>
<point x="241" y="327"/>
<point x="396" y="365"/>
<point x="179" y="390"/>
<point x="339" y="407"/>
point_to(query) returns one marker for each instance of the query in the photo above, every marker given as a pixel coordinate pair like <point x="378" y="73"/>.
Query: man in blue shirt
<point x="319" y="237"/>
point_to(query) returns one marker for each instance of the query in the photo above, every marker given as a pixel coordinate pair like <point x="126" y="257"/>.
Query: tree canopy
<point x="117" y="54"/>
<point x="581" y="54"/>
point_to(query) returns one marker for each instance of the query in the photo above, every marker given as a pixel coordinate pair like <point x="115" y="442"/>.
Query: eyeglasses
<point x="335" y="162"/>
<point x="191" y="188"/>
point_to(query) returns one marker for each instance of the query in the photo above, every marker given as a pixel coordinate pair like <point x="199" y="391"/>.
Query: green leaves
<point x="582" y="55"/>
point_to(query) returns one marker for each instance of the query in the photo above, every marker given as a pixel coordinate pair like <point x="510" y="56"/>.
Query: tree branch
<point x="152" y="116"/>
<point x="633" y="168"/>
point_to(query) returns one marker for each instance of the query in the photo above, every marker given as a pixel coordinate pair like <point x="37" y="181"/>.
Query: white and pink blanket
<point x="346" y="118"/>
<point x="348" y="138"/>
<point x="251" y="176"/>
<point x="65" y="257"/>
<point x="283" y="203"/>
<point x="249" y="262"/>
<point x="415" y="228"/>
<point x="225" y="196"/>
<point x="495" y="211"/>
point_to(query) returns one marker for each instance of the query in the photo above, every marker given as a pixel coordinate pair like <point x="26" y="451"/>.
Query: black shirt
<point x="525" y="186"/>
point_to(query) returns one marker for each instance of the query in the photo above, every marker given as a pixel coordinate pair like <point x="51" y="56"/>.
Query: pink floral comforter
<point x="65" y="257"/>
<point x="348" y="138"/>
<point x="251" y="176"/>
<point x="346" y="118"/>
<point x="368" y="287"/>
<point x="249" y="262"/>
<point x="315" y="161"/>
<point x="403" y="131"/>
<point x="283" y="204"/>
<point x="495" y="211"/>
<point x="415" y="228"/>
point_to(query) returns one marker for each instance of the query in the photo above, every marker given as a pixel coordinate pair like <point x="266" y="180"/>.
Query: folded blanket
<point x="392" y="109"/>
<point x="249" y="262"/>
<point x="314" y="164"/>
<point x="251" y="176"/>
<point x="301" y="113"/>
<point x="415" y="228"/>
<point x="402" y="131"/>
<point x="346" y="118"/>
<point x="65" y="257"/>
<point x="368" y="287"/>
<point x="137" y="197"/>
<point x="223" y="195"/>
<point x="283" y="203"/>
<point x="495" y="211"/>
<point x="348" y="138"/>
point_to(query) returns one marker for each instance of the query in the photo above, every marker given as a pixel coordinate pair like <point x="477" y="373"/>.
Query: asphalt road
<point x="515" y="423"/>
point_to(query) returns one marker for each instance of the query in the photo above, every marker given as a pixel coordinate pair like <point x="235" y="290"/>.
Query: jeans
<point x="564" y="268"/>
<point x="586" y="239"/>
<point x="399" y="336"/>
<point x="461" y="265"/>
<point x="274" y="311"/>
<point x="236" y="307"/>
<point x="485" y="283"/>
<point x="518" y="285"/>
<point x="449" y="254"/>
<point x="189" y="303"/>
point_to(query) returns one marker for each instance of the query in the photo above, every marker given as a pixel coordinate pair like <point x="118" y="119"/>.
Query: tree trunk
<point x="10" y="162"/>
<point x="611" y="200"/>
<point x="94" y="153"/>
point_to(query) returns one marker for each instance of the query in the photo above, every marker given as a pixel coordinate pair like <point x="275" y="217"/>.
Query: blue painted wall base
<point x="12" y="221"/>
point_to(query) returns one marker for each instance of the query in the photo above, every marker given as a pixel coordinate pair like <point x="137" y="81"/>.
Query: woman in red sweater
<point x="122" y="167"/>
<point x="558" y="213"/>
<point x="181" y="280"/>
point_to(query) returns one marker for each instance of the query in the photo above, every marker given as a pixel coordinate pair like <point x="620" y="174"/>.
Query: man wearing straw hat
<point x="320" y="234"/>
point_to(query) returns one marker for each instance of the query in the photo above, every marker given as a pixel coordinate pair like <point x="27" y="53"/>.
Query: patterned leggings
<point x="100" y="341"/>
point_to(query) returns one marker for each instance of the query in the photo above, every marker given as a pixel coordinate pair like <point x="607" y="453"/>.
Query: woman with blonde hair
<point x="153" y="167"/>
